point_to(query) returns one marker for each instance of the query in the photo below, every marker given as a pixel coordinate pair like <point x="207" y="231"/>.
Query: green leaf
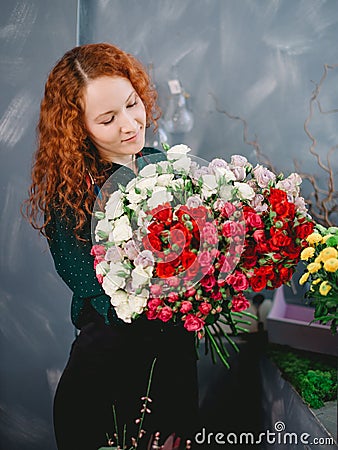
<point x="165" y="146"/>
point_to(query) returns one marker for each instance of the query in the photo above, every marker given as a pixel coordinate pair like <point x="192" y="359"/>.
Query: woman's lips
<point x="132" y="138"/>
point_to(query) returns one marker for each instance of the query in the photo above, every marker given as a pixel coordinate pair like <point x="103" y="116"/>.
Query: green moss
<point x="314" y="376"/>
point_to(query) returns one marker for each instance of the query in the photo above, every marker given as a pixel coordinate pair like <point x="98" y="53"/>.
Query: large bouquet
<point x="184" y="242"/>
<point x="321" y="259"/>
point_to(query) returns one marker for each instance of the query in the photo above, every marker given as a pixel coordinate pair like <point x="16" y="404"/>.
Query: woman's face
<point x="115" y="118"/>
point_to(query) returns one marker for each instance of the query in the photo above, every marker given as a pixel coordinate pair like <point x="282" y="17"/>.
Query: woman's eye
<point x="108" y="121"/>
<point x="132" y="104"/>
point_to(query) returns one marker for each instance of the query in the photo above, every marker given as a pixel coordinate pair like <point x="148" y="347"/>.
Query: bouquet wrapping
<point x="186" y="240"/>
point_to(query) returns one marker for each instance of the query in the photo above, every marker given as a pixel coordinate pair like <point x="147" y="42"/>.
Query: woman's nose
<point x="127" y="122"/>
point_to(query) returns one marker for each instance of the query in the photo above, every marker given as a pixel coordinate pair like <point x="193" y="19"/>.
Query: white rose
<point x="122" y="230"/>
<point x="114" y="206"/>
<point x="111" y="283"/>
<point x="159" y="196"/>
<point x="138" y="302"/>
<point x="165" y="179"/>
<point x="225" y="192"/>
<point x="124" y="312"/>
<point x="131" y="185"/>
<point x="141" y="276"/>
<point x="182" y="164"/>
<point x="119" y="297"/>
<point x="146" y="183"/>
<point x="165" y="166"/>
<point x="244" y="191"/>
<point x="263" y="175"/>
<point x="148" y="171"/>
<point x="102" y="268"/>
<point x="103" y="226"/>
<point x="177" y="152"/>
<point x="134" y="198"/>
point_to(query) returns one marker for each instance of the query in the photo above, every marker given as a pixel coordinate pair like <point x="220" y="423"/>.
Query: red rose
<point x="282" y="209"/>
<point x="180" y="235"/>
<point x="258" y="282"/>
<point x="192" y="271"/>
<point x="164" y="270"/>
<point x="186" y="306"/>
<point x="163" y="213"/>
<point x="304" y="230"/>
<point x="238" y="281"/>
<point x="239" y="303"/>
<point x="267" y="271"/>
<point x="156" y="228"/>
<point x="187" y="259"/>
<point x="277" y="196"/>
<point x="285" y="273"/>
<point x="193" y="323"/>
<point x="152" y="242"/>
<point x="204" y="308"/>
<point x="292" y="251"/>
<point x="279" y="238"/>
<point x="165" y="314"/>
<point x="99" y="278"/>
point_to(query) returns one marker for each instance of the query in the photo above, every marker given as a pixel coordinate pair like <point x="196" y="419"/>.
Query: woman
<point x="98" y="102"/>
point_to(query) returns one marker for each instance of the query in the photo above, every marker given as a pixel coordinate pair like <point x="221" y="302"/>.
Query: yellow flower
<point x="318" y="280"/>
<point x="307" y="253"/>
<point x="318" y="259"/>
<point x="314" y="238"/>
<point x="314" y="267"/>
<point x="325" y="238"/>
<point x="325" y="288"/>
<point x="303" y="279"/>
<point x="331" y="265"/>
<point x="327" y="253"/>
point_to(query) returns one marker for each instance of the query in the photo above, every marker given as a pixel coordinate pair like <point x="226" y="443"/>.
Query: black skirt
<point x="111" y="365"/>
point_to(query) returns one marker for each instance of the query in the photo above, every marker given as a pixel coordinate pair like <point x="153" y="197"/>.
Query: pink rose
<point x="193" y="323"/>
<point x="156" y="289"/>
<point x="99" y="278"/>
<point x="259" y="236"/>
<point x="231" y="229"/>
<point x="228" y="210"/>
<point x="98" y="250"/>
<point x="97" y="260"/>
<point x="172" y="297"/>
<point x="238" y="281"/>
<point x="154" y="303"/>
<point x="204" y="258"/>
<point x="165" y="314"/>
<point x="239" y="303"/>
<point x="254" y="220"/>
<point x="190" y="292"/>
<point x="205" y="308"/>
<point x="263" y="176"/>
<point x="216" y="295"/>
<point x="151" y="314"/>
<point x="186" y="306"/>
<point x="209" y="233"/>
<point x="208" y="282"/>
<point x="173" y="281"/>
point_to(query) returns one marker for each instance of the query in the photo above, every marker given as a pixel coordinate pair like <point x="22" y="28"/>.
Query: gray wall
<point x="257" y="57"/>
<point x="35" y="331"/>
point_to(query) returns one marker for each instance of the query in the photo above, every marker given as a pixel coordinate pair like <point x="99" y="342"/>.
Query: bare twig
<point x="261" y="157"/>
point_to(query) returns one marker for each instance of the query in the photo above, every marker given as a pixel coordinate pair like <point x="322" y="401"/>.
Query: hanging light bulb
<point x="177" y="118"/>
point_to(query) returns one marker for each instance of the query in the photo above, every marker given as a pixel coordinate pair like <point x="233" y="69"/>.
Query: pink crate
<point x="289" y="324"/>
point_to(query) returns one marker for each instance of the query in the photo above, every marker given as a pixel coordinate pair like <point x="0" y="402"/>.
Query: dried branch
<point x="261" y="157"/>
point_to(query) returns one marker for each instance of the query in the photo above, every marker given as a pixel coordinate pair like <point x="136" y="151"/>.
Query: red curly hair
<point x="64" y="153"/>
